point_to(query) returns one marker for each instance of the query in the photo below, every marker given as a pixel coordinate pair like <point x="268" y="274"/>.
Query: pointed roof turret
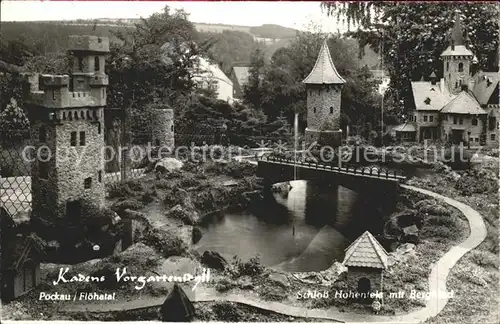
<point x="457" y="40"/>
<point x="367" y="252"/>
<point x="457" y="34"/>
<point x="324" y="71"/>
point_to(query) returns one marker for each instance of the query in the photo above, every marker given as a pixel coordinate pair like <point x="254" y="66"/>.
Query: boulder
<point x="196" y="234"/>
<point x="402" y="253"/>
<point x="168" y="164"/>
<point x="245" y="282"/>
<point x="279" y="279"/>
<point x="282" y="187"/>
<point x="181" y="213"/>
<point x="214" y="260"/>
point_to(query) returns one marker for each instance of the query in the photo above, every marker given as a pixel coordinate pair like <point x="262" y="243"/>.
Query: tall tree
<point x="251" y="90"/>
<point x="411" y="36"/>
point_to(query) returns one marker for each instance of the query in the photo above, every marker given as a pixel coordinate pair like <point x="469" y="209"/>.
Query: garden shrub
<point x="248" y="268"/>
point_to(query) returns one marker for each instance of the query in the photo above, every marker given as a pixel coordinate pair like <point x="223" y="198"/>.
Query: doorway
<point x="364" y="285"/>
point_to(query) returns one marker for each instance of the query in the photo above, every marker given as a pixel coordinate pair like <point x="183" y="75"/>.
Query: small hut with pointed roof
<point x="324" y="92"/>
<point x="365" y="260"/>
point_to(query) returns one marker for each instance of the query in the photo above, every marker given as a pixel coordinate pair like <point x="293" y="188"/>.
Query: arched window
<point x="460" y="67"/>
<point x="331" y="110"/>
<point x="96" y="63"/>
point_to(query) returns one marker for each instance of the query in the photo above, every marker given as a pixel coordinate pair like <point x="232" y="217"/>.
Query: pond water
<point x="305" y="231"/>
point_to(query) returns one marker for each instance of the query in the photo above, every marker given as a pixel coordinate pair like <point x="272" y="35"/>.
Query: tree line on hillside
<point x="149" y="65"/>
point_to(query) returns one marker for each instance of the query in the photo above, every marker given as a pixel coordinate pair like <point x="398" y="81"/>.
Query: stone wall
<point x="323" y="107"/>
<point x="84" y="163"/>
<point x="476" y="131"/>
<point x="354" y="274"/>
<point x="451" y="75"/>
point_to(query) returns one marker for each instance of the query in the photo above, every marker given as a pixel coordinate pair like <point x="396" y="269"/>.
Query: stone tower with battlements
<point x="66" y="114"/>
<point x="324" y="92"/>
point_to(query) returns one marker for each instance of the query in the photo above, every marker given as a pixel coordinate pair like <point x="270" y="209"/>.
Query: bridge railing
<point x="357" y="170"/>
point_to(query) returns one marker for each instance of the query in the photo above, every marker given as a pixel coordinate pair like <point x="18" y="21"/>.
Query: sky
<point x="297" y="15"/>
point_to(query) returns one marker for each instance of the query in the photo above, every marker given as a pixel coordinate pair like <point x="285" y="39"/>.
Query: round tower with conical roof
<point x="324" y="93"/>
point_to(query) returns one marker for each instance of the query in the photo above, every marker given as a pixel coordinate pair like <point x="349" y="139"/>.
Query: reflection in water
<point x="306" y="231"/>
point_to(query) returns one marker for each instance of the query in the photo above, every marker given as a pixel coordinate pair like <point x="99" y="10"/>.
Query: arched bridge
<point x="277" y="169"/>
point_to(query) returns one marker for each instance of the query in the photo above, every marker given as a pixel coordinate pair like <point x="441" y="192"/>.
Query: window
<point x="460" y="67"/>
<point x="314" y="109"/>
<point x="172" y="128"/>
<point x="103" y="92"/>
<point x="73" y="138"/>
<point x="477" y="139"/>
<point x="82" y="138"/>
<point x="427" y="101"/>
<point x="157" y="142"/>
<point x="447" y="66"/>
<point x="42" y="134"/>
<point x="98" y="128"/>
<point x="492" y="136"/>
<point x="87" y="183"/>
<point x="474" y="121"/>
<point x="425" y="118"/>
<point x="461" y="121"/>
<point x="454" y="119"/>
<point x="445" y="117"/>
<point x="80" y="63"/>
<point x="456" y="84"/>
<point x="43" y="170"/>
<point x="99" y="176"/>
<point x="96" y="63"/>
<point x="331" y="110"/>
<point x="492" y="123"/>
<point x="431" y="118"/>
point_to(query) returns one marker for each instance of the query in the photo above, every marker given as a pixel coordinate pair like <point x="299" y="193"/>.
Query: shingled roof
<point x="485" y="85"/>
<point x="464" y="103"/>
<point x="324" y="71"/>
<point x="424" y="89"/>
<point x="366" y="252"/>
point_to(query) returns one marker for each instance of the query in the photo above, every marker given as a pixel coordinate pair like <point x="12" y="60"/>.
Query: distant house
<point x="205" y="73"/>
<point x="211" y="75"/>
<point x="239" y="76"/>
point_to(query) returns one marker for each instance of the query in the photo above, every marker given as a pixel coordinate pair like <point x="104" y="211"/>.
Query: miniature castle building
<point x="163" y="127"/>
<point x="324" y="92"/>
<point x="365" y="260"/>
<point x="461" y="107"/>
<point x="67" y="117"/>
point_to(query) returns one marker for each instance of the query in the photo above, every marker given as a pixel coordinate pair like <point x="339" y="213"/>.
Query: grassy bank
<point x="475" y="278"/>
